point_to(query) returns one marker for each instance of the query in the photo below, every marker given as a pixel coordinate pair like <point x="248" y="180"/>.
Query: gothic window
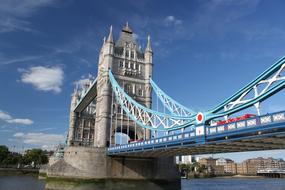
<point x="128" y="88"/>
<point x="132" y="54"/>
<point x="127" y="53"/>
<point x="121" y="64"/>
<point x="85" y="134"/>
<point x="132" y="65"/>
<point x="119" y="109"/>
<point x="139" y="67"/>
<point x="140" y="92"/>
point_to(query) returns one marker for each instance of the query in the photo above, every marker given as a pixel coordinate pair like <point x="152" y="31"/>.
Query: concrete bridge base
<point x="90" y="163"/>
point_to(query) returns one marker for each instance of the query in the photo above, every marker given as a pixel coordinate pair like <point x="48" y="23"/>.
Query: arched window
<point x="127" y="53"/>
<point x="128" y="88"/>
<point x="132" y="54"/>
<point x="121" y="64"/>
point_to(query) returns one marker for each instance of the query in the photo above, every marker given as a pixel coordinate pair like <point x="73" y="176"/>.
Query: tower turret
<point x="72" y="118"/>
<point x="148" y="51"/>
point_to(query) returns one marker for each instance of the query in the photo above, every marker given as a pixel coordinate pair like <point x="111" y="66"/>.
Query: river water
<point x="33" y="183"/>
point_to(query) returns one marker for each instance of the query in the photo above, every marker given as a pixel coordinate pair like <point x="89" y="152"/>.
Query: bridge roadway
<point x="266" y="132"/>
<point x="87" y="97"/>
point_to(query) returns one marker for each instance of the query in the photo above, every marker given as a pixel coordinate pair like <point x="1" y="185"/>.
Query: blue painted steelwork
<point x="260" y="98"/>
<point x="262" y="76"/>
<point x="146" y="117"/>
<point x="182" y="117"/>
<point x="173" y="106"/>
<point x="258" y="127"/>
<point x="275" y="83"/>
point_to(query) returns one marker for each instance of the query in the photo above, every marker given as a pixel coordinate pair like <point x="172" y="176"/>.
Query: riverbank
<point x="19" y="171"/>
<point x="209" y="176"/>
<point x="240" y="176"/>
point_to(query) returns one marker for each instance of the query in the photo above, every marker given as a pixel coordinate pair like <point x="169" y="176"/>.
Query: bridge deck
<point x="261" y="133"/>
<point x="87" y="98"/>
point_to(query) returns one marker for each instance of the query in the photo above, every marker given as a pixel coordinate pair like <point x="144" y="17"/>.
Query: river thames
<point x="33" y="183"/>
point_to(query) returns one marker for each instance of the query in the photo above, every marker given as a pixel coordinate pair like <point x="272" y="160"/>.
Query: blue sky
<point x="204" y="51"/>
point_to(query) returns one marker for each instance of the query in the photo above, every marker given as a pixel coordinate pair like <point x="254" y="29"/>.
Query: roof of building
<point x="127" y="36"/>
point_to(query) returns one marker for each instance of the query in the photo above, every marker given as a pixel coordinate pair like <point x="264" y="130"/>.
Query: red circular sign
<point x="199" y="117"/>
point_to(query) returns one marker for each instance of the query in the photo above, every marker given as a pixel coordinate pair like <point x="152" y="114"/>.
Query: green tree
<point x="36" y="156"/>
<point x="4" y="152"/>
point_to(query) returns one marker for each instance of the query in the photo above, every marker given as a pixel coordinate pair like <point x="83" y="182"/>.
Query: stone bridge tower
<point x="91" y="128"/>
<point x="132" y="69"/>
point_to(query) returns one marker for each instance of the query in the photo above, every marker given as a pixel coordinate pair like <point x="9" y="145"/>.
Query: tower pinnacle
<point x="110" y="37"/>
<point x="148" y="46"/>
<point x="127" y="29"/>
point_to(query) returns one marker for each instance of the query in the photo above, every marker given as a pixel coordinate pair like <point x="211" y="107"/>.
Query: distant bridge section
<point x="86" y="97"/>
<point x="266" y="132"/>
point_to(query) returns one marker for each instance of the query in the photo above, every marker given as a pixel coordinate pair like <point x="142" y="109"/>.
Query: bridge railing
<point x="251" y="122"/>
<point x="198" y="135"/>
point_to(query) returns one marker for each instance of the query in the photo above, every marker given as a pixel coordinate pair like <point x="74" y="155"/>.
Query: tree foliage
<point x="34" y="157"/>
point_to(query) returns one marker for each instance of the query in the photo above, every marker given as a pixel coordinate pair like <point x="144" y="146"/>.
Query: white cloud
<point x="21" y="121"/>
<point x="12" y="24"/>
<point x="5" y="116"/>
<point x="5" y="60"/>
<point x="44" y="78"/>
<point x="85" y="80"/>
<point x="13" y="13"/>
<point x="9" y="119"/>
<point x="19" y="134"/>
<point x="43" y="140"/>
<point x="172" y="21"/>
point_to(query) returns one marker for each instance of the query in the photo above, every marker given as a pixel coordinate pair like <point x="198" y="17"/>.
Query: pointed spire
<point x="127" y="29"/>
<point x="110" y="37"/>
<point x="104" y="39"/>
<point x="148" y="46"/>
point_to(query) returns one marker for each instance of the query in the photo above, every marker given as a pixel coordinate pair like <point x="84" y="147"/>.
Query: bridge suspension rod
<point x="146" y="117"/>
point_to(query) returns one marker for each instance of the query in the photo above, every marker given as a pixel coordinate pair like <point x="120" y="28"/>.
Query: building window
<point x="121" y="64"/>
<point x="132" y="54"/>
<point x="140" y="92"/>
<point x="132" y="66"/>
<point x="119" y="109"/>
<point x="139" y="67"/>
<point x="127" y="53"/>
<point x="128" y="88"/>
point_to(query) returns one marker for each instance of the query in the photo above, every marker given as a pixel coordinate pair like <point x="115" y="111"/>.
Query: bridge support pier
<point x="89" y="163"/>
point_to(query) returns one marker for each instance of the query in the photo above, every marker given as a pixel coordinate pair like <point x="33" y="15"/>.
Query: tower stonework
<point x="93" y="130"/>
<point x="132" y="69"/>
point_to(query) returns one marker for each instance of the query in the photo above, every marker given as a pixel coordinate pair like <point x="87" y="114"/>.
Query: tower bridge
<point x="123" y="126"/>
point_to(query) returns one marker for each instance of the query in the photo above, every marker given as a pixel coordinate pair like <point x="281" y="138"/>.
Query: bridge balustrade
<point x="192" y="138"/>
<point x="251" y="122"/>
